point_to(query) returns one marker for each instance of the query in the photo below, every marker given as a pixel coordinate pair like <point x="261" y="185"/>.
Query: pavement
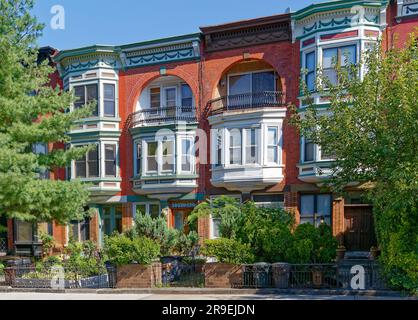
<point x="7" y="293"/>
<point x="135" y="296"/>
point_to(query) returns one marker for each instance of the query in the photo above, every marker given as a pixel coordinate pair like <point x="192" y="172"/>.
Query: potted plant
<point x="374" y="252"/>
<point x="340" y="252"/>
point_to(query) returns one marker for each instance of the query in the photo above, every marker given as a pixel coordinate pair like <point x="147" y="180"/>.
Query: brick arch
<point x="144" y="79"/>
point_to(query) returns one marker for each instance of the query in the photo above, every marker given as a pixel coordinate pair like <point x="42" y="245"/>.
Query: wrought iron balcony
<point x="264" y="99"/>
<point x="158" y="116"/>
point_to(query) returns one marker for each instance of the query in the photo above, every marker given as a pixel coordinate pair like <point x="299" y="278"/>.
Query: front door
<point x="359" y="234"/>
<point x="180" y="220"/>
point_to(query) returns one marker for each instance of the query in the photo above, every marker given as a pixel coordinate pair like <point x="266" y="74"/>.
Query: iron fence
<point x="257" y="275"/>
<point x="163" y="115"/>
<point x="3" y="245"/>
<point x="58" y="277"/>
<point x="263" y="99"/>
<point x="177" y="273"/>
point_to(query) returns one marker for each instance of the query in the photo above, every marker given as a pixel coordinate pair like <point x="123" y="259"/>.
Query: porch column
<point x="338" y="219"/>
<point x="94" y="227"/>
<point x="127" y="217"/>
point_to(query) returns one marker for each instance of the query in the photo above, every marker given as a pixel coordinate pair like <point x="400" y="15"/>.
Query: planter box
<point x="139" y="276"/>
<point x="222" y="275"/>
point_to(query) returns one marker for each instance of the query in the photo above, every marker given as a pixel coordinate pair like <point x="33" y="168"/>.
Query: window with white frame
<point x="152" y="165"/>
<point x="218" y="147"/>
<point x="186" y="95"/>
<point x="251" y="152"/>
<point x="110" y="160"/>
<point x="88" y="165"/>
<point x="168" y="156"/>
<point x="153" y="209"/>
<point x="308" y="150"/>
<point x="310" y="66"/>
<point x="273" y="145"/>
<point x="235" y="143"/>
<point x="109" y="100"/>
<point x="315" y="208"/>
<point x="155" y="97"/>
<point x="341" y="56"/>
<point x="169" y="96"/>
<point x="85" y="94"/>
<point x="138" y="158"/>
<point x="186" y="155"/>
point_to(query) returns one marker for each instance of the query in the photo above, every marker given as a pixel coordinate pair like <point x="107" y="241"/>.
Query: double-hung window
<point x="309" y="151"/>
<point x="315" y="209"/>
<point x="88" y="165"/>
<point x="310" y="70"/>
<point x="273" y="145"/>
<point x="138" y="158"/>
<point x="186" y="155"/>
<point x="109" y="100"/>
<point x="251" y="146"/>
<point x="168" y="155"/>
<point x="86" y="94"/>
<point x="152" y="165"/>
<point x="110" y="160"/>
<point x="235" y="151"/>
<point x="337" y="56"/>
<point x="112" y="219"/>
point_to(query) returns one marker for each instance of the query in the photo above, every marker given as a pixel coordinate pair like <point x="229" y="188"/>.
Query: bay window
<point x="315" y="209"/>
<point x="85" y="94"/>
<point x="338" y="56"/>
<point x="235" y="152"/>
<point x="109" y="100"/>
<point x="138" y="158"/>
<point x="272" y="145"/>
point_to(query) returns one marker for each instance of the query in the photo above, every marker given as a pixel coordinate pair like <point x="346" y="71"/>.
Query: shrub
<point x="83" y="259"/>
<point x="228" y="251"/>
<point x="122" y="250"/>
<point x="47" y="242"/>
<point x="312" y="245"/>
<point x="186" y="243"/>
<point x="1" y="268"/>
<point x="157" y="230"/>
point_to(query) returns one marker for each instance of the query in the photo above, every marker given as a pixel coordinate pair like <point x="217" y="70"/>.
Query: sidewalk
<point x="215" y="291"/>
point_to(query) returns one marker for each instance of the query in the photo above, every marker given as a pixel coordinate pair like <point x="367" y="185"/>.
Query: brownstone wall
<point x="139" y="276"/>
<point x="222" y="275"/>
<point x="203" y="229"/>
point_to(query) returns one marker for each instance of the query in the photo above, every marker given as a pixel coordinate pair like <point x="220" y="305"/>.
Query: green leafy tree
<point x="371" y="129"/>
<point x="31" y="111"/>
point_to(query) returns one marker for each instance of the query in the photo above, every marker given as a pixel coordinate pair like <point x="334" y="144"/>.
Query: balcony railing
<point x="264" y="99"/>
<point x="154" y="116"/>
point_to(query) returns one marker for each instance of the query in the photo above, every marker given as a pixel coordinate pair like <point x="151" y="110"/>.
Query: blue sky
<point x="116" y="22"/>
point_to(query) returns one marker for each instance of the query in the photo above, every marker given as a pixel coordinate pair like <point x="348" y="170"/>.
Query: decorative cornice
<point x="246" y="33"/>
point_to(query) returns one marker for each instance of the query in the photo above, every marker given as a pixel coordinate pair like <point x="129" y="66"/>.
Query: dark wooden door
<point x="359" y="234"/>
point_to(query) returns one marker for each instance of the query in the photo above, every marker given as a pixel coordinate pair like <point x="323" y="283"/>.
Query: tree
<point x="31" y="111"/>
<point x="371" y="129"/>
